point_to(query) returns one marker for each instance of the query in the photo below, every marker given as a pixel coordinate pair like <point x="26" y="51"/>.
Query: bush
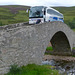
<point x="1" y="23"/>
<point x="71" y="24"/>
<point x="32" y="69"/>
<point x="14" y="69"/>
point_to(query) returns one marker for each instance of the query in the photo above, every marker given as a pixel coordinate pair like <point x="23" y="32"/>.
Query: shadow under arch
<point x="60" y="44"/>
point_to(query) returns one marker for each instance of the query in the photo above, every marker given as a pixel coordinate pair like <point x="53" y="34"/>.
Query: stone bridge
<point x="26" y="44"/>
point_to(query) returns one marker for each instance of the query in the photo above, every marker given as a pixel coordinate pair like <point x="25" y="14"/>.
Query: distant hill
<point x="15" y="8"/>
<point x="10" y="14"/>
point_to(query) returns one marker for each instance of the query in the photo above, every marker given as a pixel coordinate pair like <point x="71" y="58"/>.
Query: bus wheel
<point x="38" y="21"/>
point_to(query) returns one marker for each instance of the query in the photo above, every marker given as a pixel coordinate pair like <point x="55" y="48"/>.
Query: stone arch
<point x="60" y="44"/>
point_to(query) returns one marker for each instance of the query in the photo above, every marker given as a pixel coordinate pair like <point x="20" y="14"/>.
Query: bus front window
<point x="36" y="12"/>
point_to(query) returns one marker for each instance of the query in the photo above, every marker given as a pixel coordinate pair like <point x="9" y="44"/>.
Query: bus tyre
<point x="38" y="21"/>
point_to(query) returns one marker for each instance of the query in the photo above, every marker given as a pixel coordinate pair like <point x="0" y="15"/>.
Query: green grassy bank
<point x="32" y="69"/>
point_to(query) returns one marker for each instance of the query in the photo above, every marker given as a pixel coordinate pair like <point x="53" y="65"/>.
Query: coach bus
<point x="41" y="14"/>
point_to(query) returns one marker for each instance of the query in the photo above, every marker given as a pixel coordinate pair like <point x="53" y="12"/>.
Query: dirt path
<point x="58" y="58"/>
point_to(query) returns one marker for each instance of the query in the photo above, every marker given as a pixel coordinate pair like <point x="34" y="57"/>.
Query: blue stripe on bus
<point x="55" y="19"/>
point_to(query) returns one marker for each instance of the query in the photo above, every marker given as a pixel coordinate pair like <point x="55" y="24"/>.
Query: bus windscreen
<point x="36" y="12"/>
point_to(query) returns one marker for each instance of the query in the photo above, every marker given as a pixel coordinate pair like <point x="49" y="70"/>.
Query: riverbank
<point x="58" y="58"/>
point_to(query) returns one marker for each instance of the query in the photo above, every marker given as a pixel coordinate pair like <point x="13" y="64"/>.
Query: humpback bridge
<point x="25" y="44"/>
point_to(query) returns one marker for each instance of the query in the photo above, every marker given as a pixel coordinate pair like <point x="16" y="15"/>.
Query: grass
<point x="73" y="48"/>
<point x="74" y="30"/>
<point x="49" y="48"/>
<point x="32" y="69"/>
<point x="73" y="55"/>
<point x="11" y="14"/>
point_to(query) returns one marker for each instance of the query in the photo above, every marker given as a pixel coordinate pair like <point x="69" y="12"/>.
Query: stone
<point x="24" y="44"/>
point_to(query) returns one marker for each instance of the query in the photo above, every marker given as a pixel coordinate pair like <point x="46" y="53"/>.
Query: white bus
<point x="41" y="14"/>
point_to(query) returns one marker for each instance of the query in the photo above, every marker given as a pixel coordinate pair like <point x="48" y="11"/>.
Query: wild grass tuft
<point x="73" y="48"/>
<point x="49" y="48"/>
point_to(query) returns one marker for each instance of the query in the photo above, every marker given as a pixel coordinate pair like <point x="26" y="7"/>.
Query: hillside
<point x="13" y="14"/>
<point x="16" y="13"/>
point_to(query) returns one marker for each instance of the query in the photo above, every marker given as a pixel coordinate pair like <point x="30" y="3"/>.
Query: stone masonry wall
<point x="24" y="44"/>
<point x="74" y="40"/>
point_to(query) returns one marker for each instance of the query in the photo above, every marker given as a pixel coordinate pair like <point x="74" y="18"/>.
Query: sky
<point x="39" y="2"/>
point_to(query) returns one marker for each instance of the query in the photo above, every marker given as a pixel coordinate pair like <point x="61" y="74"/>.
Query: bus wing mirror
<point x="27" y="10"/>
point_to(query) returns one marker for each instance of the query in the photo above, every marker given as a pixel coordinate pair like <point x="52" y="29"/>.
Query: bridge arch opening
<point x="60" y="44"/>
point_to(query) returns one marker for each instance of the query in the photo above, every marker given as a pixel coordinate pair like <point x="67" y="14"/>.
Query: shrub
<point x="32" y="69"/>
<point x="1" y="23"/>
<point x="70" y="23"/>
<point x="14" y="69"/>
